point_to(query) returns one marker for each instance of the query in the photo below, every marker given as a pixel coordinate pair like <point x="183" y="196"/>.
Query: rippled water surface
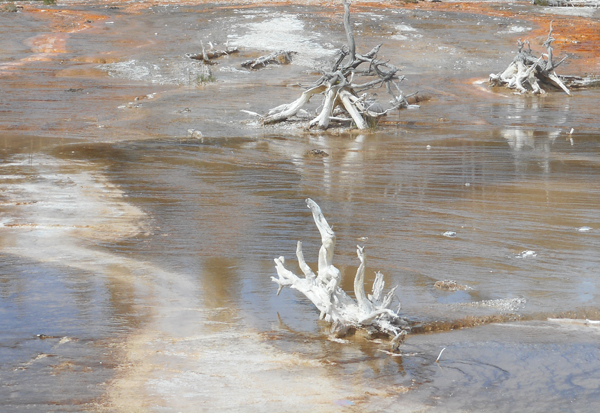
<point x="135" y="262"/>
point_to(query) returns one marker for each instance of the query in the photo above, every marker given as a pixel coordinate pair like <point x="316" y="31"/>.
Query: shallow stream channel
<point x="141" y="208"/>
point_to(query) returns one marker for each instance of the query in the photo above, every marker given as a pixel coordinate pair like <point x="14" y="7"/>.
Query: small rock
<point x="450" y="285"/>
<point x="398" y="340"/>
<point x="193" y="133"/>
<point x="317" y="153"/>
<point x="44" y="336"/>
<point x="376" y="107"/>
<point x="526" y="254"/>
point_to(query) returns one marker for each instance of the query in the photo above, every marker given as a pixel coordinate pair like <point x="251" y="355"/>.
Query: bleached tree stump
<point x="341" y="93"/>
<point x="527" y="72"/>
<point x="370" y="312"/>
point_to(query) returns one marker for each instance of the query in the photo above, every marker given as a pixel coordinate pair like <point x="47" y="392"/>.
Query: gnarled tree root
<point x="370" y="312"/>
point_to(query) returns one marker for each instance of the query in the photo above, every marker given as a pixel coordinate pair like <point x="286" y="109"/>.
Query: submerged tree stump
<point x="370" y="312"/>
<point x="342" y="102"/>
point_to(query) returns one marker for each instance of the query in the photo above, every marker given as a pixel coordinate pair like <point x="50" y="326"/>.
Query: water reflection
<point x="221" y="282"/>
<point x="550" y="110"/>
<point x="350" y="152"/>
<point x="519" y="139"/>
<point x="540" y="142"/>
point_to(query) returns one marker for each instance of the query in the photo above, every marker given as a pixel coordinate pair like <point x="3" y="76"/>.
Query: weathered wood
<point x="581" y="82"/>
<point x="340" y="92"/>
<point x="526" y="72"/>
<point x="283" y="112"/>
<point x="348" y="29"/>
<point x="281" y="57"/>
<point x="324" y="117"/>
<point x="352" y="109"/>
<point x="371" y="312"/>
<point x="208" y="56"/>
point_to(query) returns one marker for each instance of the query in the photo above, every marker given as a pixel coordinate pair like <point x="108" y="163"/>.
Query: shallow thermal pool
<point x="135" y="261"/>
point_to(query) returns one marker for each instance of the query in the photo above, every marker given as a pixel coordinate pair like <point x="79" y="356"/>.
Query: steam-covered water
<point x="136" y="262"/>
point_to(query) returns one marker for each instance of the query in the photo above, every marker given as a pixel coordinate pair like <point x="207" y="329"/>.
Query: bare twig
<point x="437" y="360"/>
<point x="349" y="33"/>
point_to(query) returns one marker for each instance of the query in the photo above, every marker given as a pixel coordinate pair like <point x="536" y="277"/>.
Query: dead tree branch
<point x="208" y="56"/>
<point x="281" y="57"/>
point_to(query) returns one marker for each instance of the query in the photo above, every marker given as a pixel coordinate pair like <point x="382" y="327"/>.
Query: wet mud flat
<point x="136" y="260"/>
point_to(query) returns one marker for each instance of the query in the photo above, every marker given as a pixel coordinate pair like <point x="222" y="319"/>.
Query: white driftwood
<point x="328" y="104"/>
<point x="341" y="93"/>
<point x="526" y="71"/>
<point x="282" y="112"/>
<point x="370" y="312"/>
<point x="352" y="109"/>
